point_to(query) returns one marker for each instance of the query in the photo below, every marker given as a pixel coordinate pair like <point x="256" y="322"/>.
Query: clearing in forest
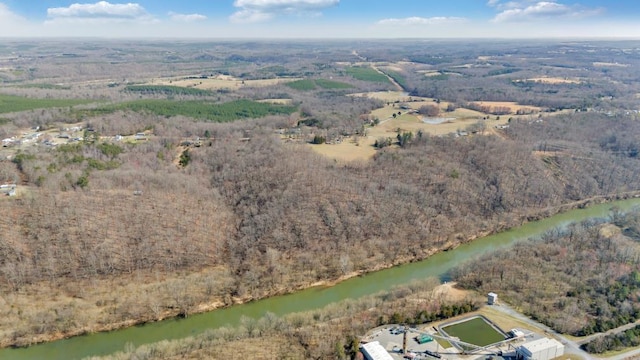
<point x="551" y="80"/>
<point x="219" y="82"/>
<point x="349" y="149"/>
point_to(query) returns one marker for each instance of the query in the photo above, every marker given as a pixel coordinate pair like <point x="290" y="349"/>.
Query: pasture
<point x="11" y="103"/>
<point x="219" y="82"/>
<point x="366" y="74"/>
<point x="350" y="149"/>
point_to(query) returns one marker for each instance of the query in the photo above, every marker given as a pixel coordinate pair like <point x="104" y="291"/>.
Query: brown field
<point x="220" y="82"/>
<point x="553" y="80"/>
<point x="385" y="95"/>
<point x="512" y="105"/>
<point x="348" y="150"/>
<point x="389" y="126"/>
<point x="391" y="67"/>
<point x="608" y="64"/>
<point x="277" y="101"/>
<point x="430" y="73"/>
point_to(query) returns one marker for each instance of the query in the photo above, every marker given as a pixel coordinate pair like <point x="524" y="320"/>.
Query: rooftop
<point x="376" y="351"/>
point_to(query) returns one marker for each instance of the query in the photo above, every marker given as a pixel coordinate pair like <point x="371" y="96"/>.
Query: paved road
<point x="619" y="329"/>
<point x="570" y="347"/>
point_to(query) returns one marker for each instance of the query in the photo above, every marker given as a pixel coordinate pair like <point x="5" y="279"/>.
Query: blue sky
<point x="321" y="18"/>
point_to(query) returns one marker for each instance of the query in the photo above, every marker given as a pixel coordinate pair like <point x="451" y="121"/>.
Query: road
<point x="570" y="347"/>
<point x="619" y="329"/>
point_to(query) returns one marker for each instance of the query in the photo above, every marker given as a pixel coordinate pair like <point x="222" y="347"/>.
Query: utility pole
<point x="404" y="339"/>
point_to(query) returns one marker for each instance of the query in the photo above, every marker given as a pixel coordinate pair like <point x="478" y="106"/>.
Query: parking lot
<point x="392" y="341"/>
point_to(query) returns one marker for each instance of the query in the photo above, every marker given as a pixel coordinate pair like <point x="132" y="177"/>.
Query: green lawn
<point x="330" y="84"/>
<point x="366" y="74"/>
<point x="303" y="85"/>
<point x="306" y="85"/>
<point x="399" y="78"/>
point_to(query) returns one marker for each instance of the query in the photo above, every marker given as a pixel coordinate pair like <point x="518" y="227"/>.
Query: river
<point x="435" y="266"/>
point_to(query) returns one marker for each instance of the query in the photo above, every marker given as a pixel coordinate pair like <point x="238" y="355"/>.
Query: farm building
<point x="541" y="349"/>
<point x="492" y="298"/>
<point x="375" y="351"/>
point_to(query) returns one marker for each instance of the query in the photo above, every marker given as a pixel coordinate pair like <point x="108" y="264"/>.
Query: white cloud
<point x="262" y="10"/>
<point x="527" y="10"/>
<point x="7" y="16"/>
<point x="12" y="24"/>
<point x="187" y="17"/>
<point x="417" y="21"/>
<point x="103" y="10"/>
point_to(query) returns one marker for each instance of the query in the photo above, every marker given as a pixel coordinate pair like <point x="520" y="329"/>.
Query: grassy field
<point x="221" y="82"/>
<point x="45" y="86"/>
<point x="10" y="103"/>
<point x="348" y="150"/>
<point x="366" y="74"/>
<point x="330" y="84"/>
<point x="475" y="331"/>
<point x="303" y="85"/>
<point x="389" y="96"/>
<point x="514" y="107"/>
<point x="399" y="78"/>
<point x="308" y="84"/>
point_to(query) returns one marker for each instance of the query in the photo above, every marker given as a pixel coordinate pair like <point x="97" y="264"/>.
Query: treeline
<point x="204" y="110"/>
<point x="614" y="342"/>
<point x="579" y="280"/>
<point x="445" y="311"/>
<point x="329" y="333"/>
<point x="167" y="90"/>
<point x="277" y="216"/>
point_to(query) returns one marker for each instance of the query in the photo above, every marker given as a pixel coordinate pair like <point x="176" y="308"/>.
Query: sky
<point x="228" y="19"/>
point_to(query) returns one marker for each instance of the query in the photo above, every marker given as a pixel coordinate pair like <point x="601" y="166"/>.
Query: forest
<point x="581" y="280"/>
<point x="193" y="184"/>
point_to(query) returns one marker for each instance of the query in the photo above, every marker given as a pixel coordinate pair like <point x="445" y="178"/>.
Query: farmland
<point x="218" y="173"/>
<point x="366" y="74"/>
<point x="10" y="103"/>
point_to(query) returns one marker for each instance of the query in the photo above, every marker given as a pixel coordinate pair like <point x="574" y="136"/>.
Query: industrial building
<point x="374" y="351"/>
<point x="540" y="349"/>
<point x="492" y="298"/>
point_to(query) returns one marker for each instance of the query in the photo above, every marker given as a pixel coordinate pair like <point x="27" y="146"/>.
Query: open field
<point x="277" y="101"/>
<point x="609" y="64"/>
<point x="390" y="96"/>
<point x="366" y="74"/>
<point x="10" y="103"/>
<point x="348" y="150"/>
<point x="512" y="106"/>
<point x="310" y="84"/>
<point x="220" y="82"/>
<point x="552" y="80"/>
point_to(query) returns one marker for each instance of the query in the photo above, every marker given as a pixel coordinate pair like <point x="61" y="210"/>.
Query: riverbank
<point x="152" y="312"/>
<point x="436" y="266"/>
